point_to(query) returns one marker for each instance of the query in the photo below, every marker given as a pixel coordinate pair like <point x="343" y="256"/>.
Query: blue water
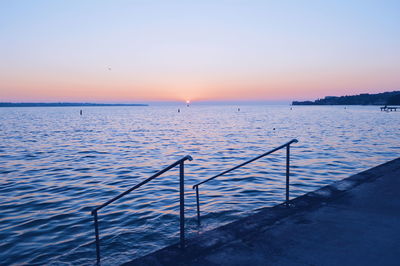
<point x="56" y="165"/>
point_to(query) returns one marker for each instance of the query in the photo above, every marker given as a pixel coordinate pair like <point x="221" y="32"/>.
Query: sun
<point x="187" y="101"/>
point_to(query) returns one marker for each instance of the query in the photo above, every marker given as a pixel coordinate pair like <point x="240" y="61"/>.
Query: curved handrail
<point x="247" y="162"/>
<point x="187" y="157"/>
<point x="179" y="162"/>
<point x="287" y="145"/>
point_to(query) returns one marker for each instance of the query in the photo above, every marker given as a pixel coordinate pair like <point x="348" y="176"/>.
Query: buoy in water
<point x="80" y="112"/>
<point x="179" y="110"/>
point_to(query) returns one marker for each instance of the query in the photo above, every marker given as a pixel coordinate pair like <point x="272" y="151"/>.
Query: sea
<point x="57" y="165"/>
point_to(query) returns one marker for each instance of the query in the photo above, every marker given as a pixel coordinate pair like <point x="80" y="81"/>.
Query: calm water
<point x="55" y="166"/>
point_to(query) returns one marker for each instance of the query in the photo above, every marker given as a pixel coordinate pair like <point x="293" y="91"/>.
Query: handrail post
<point x="287" y="173"/>
<point x="96" y="230"/>
<point x="198" y="205"/>
<point x="182" y="203"/>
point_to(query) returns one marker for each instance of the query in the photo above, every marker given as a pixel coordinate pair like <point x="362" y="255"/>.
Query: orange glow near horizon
<point x="129" y="94"/>
<point x="119" y="88"/>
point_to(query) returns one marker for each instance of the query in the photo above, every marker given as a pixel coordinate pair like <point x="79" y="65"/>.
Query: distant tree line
<point x="385" y="98"/>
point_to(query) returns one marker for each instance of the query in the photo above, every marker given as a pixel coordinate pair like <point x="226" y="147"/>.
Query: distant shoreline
<point x="66" y="104"/>
<point x="385" y="98"/>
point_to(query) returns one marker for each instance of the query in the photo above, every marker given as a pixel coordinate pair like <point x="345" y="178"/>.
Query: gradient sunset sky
<point x="138" y="51"/>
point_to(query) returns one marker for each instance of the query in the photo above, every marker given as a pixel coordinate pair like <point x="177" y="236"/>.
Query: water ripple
<point x="55" y="166"/>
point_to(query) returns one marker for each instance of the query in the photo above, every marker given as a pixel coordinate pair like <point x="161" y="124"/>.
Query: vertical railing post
<point x="287" y="172"/>
<point x="198" y="205"/>
<point x="96" y="231"/>
<point x="182" y="204"/>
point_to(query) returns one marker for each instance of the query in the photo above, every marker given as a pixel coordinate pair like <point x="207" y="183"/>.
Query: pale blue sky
<point x="206" y="49"/>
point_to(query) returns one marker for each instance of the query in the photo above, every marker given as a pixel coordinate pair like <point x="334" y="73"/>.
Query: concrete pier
<point x="355" y="221"/>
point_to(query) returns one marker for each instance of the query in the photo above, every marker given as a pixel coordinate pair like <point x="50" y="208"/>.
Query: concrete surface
<point x="355" y="221"/>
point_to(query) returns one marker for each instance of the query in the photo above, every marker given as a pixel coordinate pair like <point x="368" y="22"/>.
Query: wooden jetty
<point x="389" y="108"/>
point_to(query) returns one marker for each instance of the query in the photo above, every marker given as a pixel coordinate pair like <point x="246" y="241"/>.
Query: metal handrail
<point x="287" y="145"/>
<point x="181" y="201"/>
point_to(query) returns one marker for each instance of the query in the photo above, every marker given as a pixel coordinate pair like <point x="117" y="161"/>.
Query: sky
<point x="139" y="51"/>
